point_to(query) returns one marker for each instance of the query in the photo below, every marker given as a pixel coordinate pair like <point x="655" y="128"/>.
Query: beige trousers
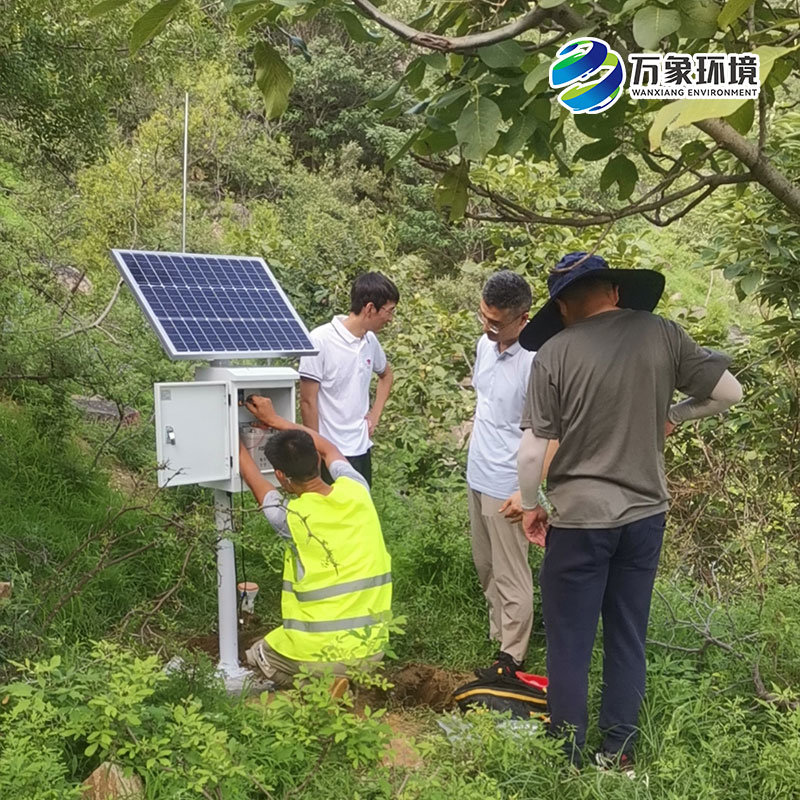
<point x="282" y="670"/>
<point x="500" y="553"/>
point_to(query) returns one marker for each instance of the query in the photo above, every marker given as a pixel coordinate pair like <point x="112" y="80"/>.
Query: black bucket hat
<point x="640" y="289"/>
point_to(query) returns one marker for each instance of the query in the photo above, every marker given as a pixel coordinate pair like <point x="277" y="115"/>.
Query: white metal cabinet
<point x="198" y="423"/>
<point x="193" y="441"/>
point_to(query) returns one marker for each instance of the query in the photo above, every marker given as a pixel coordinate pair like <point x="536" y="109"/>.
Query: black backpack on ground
<point x="525" y="695"/>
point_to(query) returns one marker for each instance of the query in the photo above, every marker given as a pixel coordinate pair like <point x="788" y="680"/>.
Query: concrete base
<point x="236" y="678"/>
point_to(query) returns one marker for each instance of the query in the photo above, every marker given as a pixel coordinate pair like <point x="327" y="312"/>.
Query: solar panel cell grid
<point x="204" y="306"/>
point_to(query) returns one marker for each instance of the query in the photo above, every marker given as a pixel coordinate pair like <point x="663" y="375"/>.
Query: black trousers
<point x="585" y="573"/>
<point x="362" y="464"/>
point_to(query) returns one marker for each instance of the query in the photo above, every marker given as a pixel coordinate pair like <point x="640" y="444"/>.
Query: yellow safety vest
<point x="337" y="580"/>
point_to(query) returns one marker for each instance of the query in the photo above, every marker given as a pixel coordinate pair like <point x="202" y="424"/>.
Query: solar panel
<point x="213" y="307"/>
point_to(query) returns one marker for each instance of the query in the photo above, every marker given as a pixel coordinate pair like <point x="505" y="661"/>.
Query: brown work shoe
<point x="339" y="686"/>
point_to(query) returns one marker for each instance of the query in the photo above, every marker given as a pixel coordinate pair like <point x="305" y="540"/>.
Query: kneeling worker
<point x="337" y="583"/>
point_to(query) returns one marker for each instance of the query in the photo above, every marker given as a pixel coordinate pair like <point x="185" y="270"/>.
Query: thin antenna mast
<point x="185" y="168"/>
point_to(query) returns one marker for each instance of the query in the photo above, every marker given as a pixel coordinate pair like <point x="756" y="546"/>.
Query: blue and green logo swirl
<point x="577" y="62"/>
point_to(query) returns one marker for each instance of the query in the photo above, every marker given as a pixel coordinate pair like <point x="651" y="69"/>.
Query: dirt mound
<point x="425" y="685"/>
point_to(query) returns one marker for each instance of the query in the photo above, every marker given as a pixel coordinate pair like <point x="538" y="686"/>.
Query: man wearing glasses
<point x="499" y="548"/>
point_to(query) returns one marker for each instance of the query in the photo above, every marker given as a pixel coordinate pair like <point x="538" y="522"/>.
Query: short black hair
<point x="585" y="286"/>
<point x="507" y="290"/>
<point x="372" y="287"/>
<point x="293" y="453"/>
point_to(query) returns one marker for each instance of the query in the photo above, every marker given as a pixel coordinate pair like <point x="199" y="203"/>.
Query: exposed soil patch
<point x="425" y="685"/>
<point x="401" y="751"/>
<point x="250" y="631"/>
<point x="414" y="685"/>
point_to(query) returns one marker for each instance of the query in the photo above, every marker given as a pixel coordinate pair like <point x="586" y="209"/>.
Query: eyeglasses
<point x="491" y="327"/>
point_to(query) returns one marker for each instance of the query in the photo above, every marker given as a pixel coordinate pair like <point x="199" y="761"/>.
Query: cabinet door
<point x="192" y="432"/>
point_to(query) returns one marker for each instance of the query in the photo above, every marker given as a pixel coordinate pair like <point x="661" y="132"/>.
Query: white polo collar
<point x="510" y="351"/>
<point x="339" y="327"/>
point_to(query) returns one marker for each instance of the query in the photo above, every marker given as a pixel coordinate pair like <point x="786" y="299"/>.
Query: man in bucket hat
<point x="602" y="384"/>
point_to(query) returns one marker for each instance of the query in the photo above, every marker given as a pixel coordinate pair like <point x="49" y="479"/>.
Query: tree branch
<point x="452" y="44"/>
<point x="99" y="321"/>
<point x="762" y="169"/>
<point x="519" y="214"/>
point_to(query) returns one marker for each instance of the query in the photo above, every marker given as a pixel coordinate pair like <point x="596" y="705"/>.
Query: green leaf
<point x="732" y="11"/>
<point x="106" y="5"/>
<point x="540" y="73"/>
<point x="274" y="79"/>
<point x="769" y="55"/>
<point x="241" y="7"/>
<point x="549" y="3"/>
<point x="631" y="5"/>
<point x="516" y="137"/>
<point x="750" y="282"/>
<point x="685" y="112"/>
<point x="151" y="23"/>
<point x="250" y="19"/>
<point x="358" y="33"/>
<point x="596" y="150"/>
<point x="451" y="191"/>
<point x="742" y="119"/>
<point x="478" y="128"/>
<point x="622" y="171"/>
<point x="601" y="126"/>
<point x="421" y="20"/>
<point x="435" y="141"/>
<point x="733" y="270"/>
<point x="436" y="61"/>
<point x="415" y="72"/>
<point x="392" y="161"/>
<point x="387" y="95"/>
<point x="698" y="18"/>
<point x="652" y="23"/>
<point x="503" y="55"/>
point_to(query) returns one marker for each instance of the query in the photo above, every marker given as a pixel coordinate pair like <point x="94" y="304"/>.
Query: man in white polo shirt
<point x="499" y="548"/>
<point x="335" y="384"/>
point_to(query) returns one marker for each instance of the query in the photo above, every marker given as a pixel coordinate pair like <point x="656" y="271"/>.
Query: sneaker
<point x="619" y="762"/>
<point x="503" y="665"/>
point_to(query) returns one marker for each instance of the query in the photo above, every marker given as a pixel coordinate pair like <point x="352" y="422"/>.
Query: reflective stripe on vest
<point x="331" y="625"/>
<point x="340" y="588"/>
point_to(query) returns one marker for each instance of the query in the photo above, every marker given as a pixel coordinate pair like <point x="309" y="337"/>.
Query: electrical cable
<point x="243" y="593"/>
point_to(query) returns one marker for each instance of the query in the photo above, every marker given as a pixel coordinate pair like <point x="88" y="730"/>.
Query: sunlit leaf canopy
<point x="477" y="81"/>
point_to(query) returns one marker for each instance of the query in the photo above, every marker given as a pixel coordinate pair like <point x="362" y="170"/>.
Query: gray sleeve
<point x="727" y="392"/>
<point x="697" y="369"/>
<point x="541" y="411"/>
<point x="344" y="469"/>
<point x="275" y="511"/>
<point x="379" y="360"/>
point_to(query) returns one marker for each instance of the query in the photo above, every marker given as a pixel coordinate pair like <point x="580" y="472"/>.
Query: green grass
<point x="704" y="735"/>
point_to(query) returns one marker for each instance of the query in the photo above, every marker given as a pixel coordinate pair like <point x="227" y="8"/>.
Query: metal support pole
<point x="185" y="168"/>
<point x="226" y="593"/>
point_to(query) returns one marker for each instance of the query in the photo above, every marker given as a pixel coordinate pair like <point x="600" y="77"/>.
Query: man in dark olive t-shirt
<point x="602" y="384"/>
